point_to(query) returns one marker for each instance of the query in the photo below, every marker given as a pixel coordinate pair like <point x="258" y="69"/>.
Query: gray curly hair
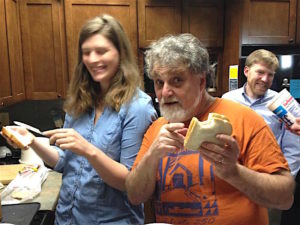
<point x="174" y="50"/>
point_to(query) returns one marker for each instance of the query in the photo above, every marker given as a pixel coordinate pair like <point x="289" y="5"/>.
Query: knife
<point x="31" y="128"/>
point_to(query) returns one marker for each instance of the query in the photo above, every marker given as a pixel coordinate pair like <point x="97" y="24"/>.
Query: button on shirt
<point x="288" y="142"/>
<point x="84" y="197"/>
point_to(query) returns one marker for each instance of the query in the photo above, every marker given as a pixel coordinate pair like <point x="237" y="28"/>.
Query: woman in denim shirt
<point x="107" y="116"/>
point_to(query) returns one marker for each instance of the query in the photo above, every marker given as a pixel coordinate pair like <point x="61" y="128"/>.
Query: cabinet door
<point x="204" y="19"/>
<point x="6" y="88"/>
<point x="269" y="22"/>
<point x="298" y="24"/>
<point x="43" y="48"/>
<point x="79" y="11"/>
<point x="12" y="77"/>
<point x="157" y="18"/>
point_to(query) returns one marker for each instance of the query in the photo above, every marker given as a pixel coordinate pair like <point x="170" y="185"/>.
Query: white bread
<point x="199" y="132"/>
<point x="15" y="137"/>
<point x="20" y="194"/>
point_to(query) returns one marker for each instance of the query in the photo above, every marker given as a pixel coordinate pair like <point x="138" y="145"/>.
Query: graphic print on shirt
<point x="186" y="187"/>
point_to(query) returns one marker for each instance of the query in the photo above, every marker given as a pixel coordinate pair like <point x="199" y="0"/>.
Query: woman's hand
<point x="24" y="134"/>
<point x="68" y="139"/>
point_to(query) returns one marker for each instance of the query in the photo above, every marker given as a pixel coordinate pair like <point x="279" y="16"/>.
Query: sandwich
<point x="15" y="137"/>
<point x="199" y="132"/>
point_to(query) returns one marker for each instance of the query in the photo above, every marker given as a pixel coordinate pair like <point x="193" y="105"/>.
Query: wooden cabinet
<point x="203" y="18"/>
<point x="48" y="50"/>
<point x="79" y="11"/>
<point x="43" y="45"/>
<point x="12" y="78"/>
<point x="157" y="18"/>
<point x="269" y="22"/>
<point x="298" y="24"/>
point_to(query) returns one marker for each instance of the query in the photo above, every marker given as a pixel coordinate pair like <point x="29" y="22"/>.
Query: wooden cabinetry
<point x="43" y="45"/>
<point x="203" y="18"/>
<point x="78" y="11"/>
<point x="12" y="78"/>
<point x="48" y="27"/>
<point x="158" y="18"/>
<point x="298" y="24"/>
<point x="38" y="38"/>
<point x="269" y="22"/>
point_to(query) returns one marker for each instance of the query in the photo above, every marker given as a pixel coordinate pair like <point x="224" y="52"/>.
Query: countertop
<point x="50" y="191"/>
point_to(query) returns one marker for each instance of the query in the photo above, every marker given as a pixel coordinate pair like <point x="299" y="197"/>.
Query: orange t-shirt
<point x="187" y="190"/>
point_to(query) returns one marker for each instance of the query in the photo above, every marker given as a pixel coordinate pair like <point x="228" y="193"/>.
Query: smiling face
<point x="179" y="93"/>
<point x="259" y="79"/>
<point x="101" y="59"/>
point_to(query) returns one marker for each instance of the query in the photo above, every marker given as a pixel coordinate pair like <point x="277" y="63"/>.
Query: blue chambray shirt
<point x="288" y="142"/>
<point x="84" y="197"/>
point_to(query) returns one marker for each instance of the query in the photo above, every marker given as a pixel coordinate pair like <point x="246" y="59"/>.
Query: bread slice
<point x="199" y="132"/>
<point x="15" y="137"/>
<point x="20" y="194"/>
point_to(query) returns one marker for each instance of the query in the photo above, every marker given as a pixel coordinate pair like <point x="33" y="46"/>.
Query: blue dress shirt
<point x="84" y="197"/>
<point x="288" y="142"/>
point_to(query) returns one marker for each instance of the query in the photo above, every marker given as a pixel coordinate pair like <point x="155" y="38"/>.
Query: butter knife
<point x="28" y="127"/>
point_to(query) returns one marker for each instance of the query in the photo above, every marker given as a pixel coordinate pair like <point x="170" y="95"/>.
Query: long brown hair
<point x="84" y="93"/>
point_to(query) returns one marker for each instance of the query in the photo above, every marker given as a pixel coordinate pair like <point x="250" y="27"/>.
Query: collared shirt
<point x="288" y="142"/>
<point x="84" y="197"/>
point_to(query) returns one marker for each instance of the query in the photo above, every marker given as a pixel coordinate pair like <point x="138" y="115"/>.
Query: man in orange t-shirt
<point x="224" y="184"/>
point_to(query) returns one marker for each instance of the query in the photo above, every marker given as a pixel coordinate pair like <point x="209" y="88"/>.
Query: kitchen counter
<point x="50" y="191"/>
<point x="46" y="202"/>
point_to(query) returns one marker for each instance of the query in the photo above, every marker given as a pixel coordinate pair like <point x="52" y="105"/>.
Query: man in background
<point x="260" y="67"/>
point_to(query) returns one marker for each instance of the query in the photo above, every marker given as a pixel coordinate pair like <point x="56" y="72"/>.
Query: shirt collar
<point x="250" y="99"/>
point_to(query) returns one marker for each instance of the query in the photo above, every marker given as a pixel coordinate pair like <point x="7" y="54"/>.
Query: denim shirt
<point x="288" y="142"/>
<point x="84" y="197"/>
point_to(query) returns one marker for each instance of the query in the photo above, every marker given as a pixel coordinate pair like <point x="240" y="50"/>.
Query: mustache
<point x="168" y="100"/>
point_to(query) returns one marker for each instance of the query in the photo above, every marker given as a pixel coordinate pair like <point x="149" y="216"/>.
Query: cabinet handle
<point x="58" y="95"/>
<point x="291" y="40"/>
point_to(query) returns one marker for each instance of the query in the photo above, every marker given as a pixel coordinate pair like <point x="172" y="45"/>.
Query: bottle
<point x="285" y="107"/>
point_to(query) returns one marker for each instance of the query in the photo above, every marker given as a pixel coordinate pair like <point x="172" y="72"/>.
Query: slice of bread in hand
<point x="199" y="132"/>
<point x="15" y="137"/>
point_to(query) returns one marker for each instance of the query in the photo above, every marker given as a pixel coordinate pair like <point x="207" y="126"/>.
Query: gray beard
<point x="173" y="114"/>
<point x="177" y="114"/>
